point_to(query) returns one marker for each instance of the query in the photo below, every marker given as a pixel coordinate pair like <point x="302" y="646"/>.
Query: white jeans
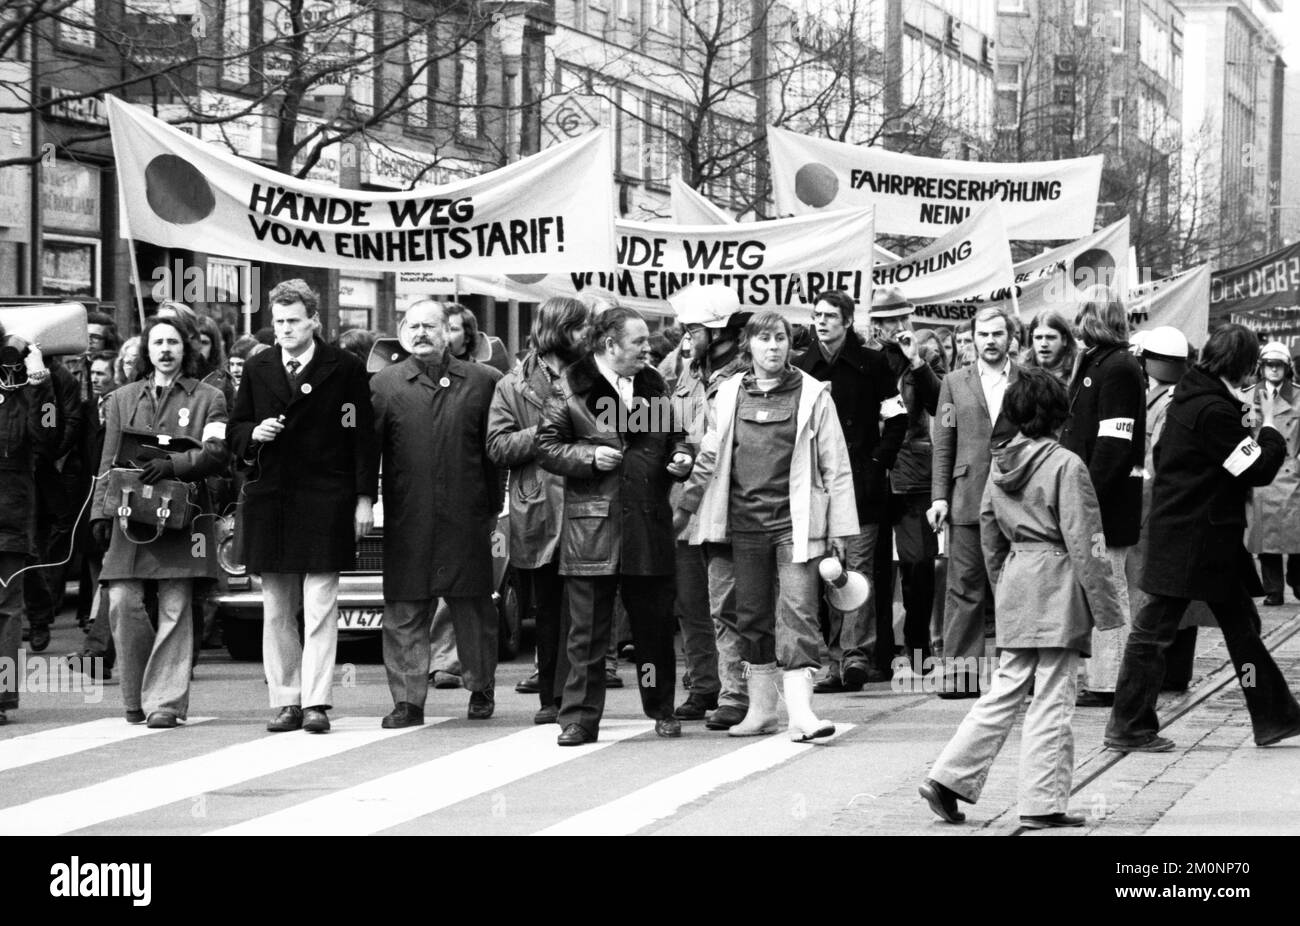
<point x="1102" y="672"/>
<point x="300" y="672"/>
<point x="1046" y="743"/>
<point x="154" y="665"/>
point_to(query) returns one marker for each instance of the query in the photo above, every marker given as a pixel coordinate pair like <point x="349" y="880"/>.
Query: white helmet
<point x="1275" y="350"/>
<point x="1164" y="354"/>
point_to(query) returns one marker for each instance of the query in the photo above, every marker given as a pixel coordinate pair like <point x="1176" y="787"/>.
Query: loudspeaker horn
<point x="59" y="327"/>
<point x="846" y="590"/>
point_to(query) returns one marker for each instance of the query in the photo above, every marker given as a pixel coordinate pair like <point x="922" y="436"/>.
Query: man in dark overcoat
<point x="442" y="496"/>
<point x="1206" y="463"/>
<point x="874" y="422"/>
<point x="618" y="442"/>
<point x="303" y="424"/>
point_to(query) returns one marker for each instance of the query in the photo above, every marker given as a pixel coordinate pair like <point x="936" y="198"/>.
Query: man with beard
<point x="968" y="423"/>
<point x="1053" y="347"/>
<point x="617" y="537"/>
<point x="441" y="496"/>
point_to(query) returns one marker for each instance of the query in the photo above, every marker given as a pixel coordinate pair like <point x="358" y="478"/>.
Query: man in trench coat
<point x="1274" y="533"/>
<point x="442" y="496"/>
<point x="302" y="422"/>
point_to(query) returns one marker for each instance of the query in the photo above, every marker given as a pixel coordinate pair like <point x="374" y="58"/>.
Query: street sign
<point x="573" y="116"/>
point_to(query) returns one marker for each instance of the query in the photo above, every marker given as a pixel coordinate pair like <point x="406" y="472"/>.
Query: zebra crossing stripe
<point x="394" y="799"/>
<point x="664" y="798"/>
<point x="160" y="785"/>
<point x="66" y="741"/>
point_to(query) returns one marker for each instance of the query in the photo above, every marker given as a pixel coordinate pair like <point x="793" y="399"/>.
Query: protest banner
<point x="974" y="257"/>
<point x="543" y="214"/>
<point x="1263" y="294"/>
<point x="1050" y="281"/>
<point x="1041" y="200"/>
<point x="1181" y="301"/>
<point x="781" y="265"/>
<point x="691" y="208"/>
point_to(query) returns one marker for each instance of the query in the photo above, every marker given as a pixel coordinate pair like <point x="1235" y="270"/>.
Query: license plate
<point x="360" y="618"/>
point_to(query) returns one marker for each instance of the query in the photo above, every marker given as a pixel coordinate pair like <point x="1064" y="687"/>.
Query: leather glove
<point x="153" y="470"/>
<point x="102" y="533"/>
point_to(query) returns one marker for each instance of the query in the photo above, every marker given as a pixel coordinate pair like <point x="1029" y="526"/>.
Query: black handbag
<point x="168" y="504"/>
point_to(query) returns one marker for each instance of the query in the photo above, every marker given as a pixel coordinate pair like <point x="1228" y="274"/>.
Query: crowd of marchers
<point x="1061" y="503"/>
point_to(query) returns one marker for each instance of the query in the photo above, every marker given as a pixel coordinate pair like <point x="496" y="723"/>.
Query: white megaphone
<point x="845" y="590"/>
<point x="60" y="328"/>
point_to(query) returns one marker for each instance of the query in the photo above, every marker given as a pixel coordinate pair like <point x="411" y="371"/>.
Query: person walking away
<point x="1207" y="461"/>
<point x="1038" y="517"/>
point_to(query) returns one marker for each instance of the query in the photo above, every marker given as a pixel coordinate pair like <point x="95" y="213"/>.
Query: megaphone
<point x="845" y="590"/>
<point x="60" y="328"/>
<point x="385" y="353"/>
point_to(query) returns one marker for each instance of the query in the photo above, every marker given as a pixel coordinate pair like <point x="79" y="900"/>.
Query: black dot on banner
<point x="816" y="185"/>
<point x="528" y="279"/>
<point x="177" y="192"/>
<point x="1094" y="268"/>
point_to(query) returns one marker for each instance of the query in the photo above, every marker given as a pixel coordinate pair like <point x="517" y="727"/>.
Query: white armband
<point x="1242" y="456"/>
<point x="892" y="408"/>
<point x="214" y="430"/>
<point x="1116" y="427"/>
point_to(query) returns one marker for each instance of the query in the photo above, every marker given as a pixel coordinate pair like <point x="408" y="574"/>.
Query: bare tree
<point x="328" y="72"/>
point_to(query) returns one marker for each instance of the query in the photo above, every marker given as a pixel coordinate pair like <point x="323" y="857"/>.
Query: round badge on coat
<point x="306" y="388"/>
<point x="1087" y="381"/>
<point x="444" y="382"/>
<point x="2" y="399"/>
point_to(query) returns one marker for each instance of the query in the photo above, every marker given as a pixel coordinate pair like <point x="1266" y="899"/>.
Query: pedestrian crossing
<point x="361" y="779"/>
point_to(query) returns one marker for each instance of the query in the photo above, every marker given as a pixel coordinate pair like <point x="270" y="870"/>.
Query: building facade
<point x="1232" y="116"/>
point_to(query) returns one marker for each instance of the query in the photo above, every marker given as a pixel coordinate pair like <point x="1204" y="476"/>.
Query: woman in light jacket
<point x="780" y="502"/>
<point x="1039" y="524"/>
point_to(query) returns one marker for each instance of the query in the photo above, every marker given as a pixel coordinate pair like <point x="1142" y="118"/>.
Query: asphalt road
<point x="71" y="765"/>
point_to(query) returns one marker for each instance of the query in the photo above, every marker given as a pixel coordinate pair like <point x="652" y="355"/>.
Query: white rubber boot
<point x="804" y="725"/>
<point x="761" y="717"/>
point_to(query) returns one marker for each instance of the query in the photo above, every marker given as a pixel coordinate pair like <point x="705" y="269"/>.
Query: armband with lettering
<point x="1116" y="427"/>
<point x="1242" y="456"/>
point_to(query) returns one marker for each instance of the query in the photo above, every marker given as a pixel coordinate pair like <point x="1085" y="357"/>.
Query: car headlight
<point x="226" y="547"/>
